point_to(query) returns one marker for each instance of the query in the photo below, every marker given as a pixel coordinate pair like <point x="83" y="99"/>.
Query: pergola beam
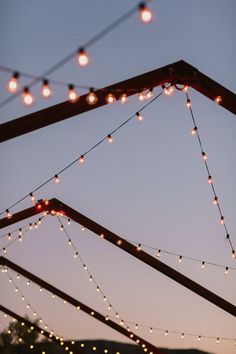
<point x="177" y="73"/>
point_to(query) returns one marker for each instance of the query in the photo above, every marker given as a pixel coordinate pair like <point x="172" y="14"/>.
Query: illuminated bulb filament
<point x="91" y="97"/>
<point x="218" y="99"/>
<point x="123" y="98"/>
<point x="57" y="179"/>
<point x="136" y="326"/>
<point x="141" y="96"/>
<point x="27" y="97"/>
<point x="145" y="13"/>
<point x="83" y="58"/>
<point x="109" y="138"/>
<point x="46" y="91"/>
<point x="13" y="83"/>
<point x="139" y="116"/>
<point x="110" y="98"/>
<point x="68" y="222"/>
<point x="72" y="94"/>
<point x="81" y="159"/>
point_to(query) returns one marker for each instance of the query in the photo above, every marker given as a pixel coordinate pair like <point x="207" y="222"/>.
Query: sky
<point x="149" y="186"/>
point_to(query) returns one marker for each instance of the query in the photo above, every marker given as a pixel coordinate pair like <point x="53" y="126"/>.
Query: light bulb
<point x="9" y="236"/>
<point x="141" y="96"/>
<point x="110" y="98"/>
<point x="185" y="88"/>
<point x="182" y="336"/>
<point x="199" y="338"/>
<point x="203" y="265"/>
<point x="222" y="220"/>
<point x="217" y="340"/>
<point x="4" y="250"/>
<point x="27" y="97"/>
<point x="233" y="253"/>
<point x="180" y="259"/>
<point x="209" y="179"/>
<point x="76" y="255"/>
<point x="109" y="138"/>
<point x="61" y="228"/>
<point x="215" y="201"/>
<point x="226" y="270"/>
<point x="139" y="117"/>
<point x="218" y="99"/>
<point x="188" y="103"/>
<point x="204" y="156"/>
<point x="72" y="94"/>
<point x="194" y="131"/>
<point x="145" y="13"/>
<point x="18" y="276"/>
<point x="13" y="83"/>
<point x="139" y="247"/>
<point x="168" y="90"/>
<point x="8" y="214"/>
<point x="90" y="278"/>
<point x="46" y="91"/>
<point x="151" y="330"/>
<point x="83" y="58"/>
<point x="20" y="231"/>
<point x="91" y="98"/>
<point x="117" y="315"/>
<point x="166" y="333"/>
<point x="123" y="98"/>
<point x="136" y="326"/>
<point x="32" y="197"/>
<point x="68" y="222"/>
<point x="81" y="159"/>
<point x="158" y="253"/>
<point x="69" y="242"/>
<point x="149" y="94"/>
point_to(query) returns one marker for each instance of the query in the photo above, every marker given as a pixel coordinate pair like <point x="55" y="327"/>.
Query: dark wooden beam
<point x="176" y="73"/>
<point x="79" y="305"/>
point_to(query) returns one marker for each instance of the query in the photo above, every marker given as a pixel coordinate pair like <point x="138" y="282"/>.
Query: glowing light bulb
<point x="121" y="322"/>
<point x="40" y="289"/>
<point x="222" y="220"/>
<point x="204" y="156"/>
<point x="20" y="231"/>
<point x="97" y="289"/>
<point x="139" y="247"/>
<point x="69" y="242"/>
<point x="109" y="138"/>
<point x="203" y="265"/>
<point x="180" y="259"/>
<point x="168" y="90"/>
<point x="215" y="201"/>
<point x="141" y="96"/>
<point x="145" y="13"/>
<point x="13" y="83"/>
<point x="109" y="307"/>
<point x="104" y="298"/>
<point x="9" y="236"/>
<point x="90" y="278"/>
<point x="46" y="91"/>
<point x="81" y="159"/>
<point x="68" y="222"/>
<point x="27" y="97"/>
<point x="185" y="88"/>
<point x="117" y="315"/>
<point x="110" y="98"/>
<point x="151" y="330"/>
<point x="188" y="103"/>
<point x="85" y="268"/>
<point x="8" y="214"/>
<point x="166" y="333"/>
<point x="226" y="270"/>
<point x="72" y="94"/>
<point x="194" y="131"/>
<point x="136" y="326"/>
<point x="123" y="98"/>
<point x="107" y="318"/>
<point x="217" y="340"/>
<point x="18" y="276"/>
<point x="32" y="197"/>
<point x="56" y="179"/>
<point x="61" y="228"/>
<point x="119" y="242"/>
<point x="158" y="253"/>
<point x="76" y="255"/>
<point x="83" y="58"/>
<point x="233" y="253"/>
<point x="218" y="99"/>
<point x="149" y="94"/>
<point x="199" y="338"/>
<point x="209" y="179"/>
<point x="139" y="117"/>
<point x="182" y="336"/>
<point x="91" y="98"/>
<point x="28" y="282"/>
<point x="4" y="250"/>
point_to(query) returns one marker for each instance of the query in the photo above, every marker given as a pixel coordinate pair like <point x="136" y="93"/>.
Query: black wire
<point x="66" y="59"/>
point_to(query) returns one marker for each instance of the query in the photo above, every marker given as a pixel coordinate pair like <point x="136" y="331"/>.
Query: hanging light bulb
<point x="27" y="97"/>
<point x="218" y="99"/>
<point x="217" y="340"/>
<point x="151" y="330"/>
<point x="72" y="94"/>
<point x="4" y="250"/>
<point x="110" y="98"/>
<point x="68" y="221"/>
<point x="188" y="103"/>
<point x="136" y="326"/>
<point x="233" y="253"/>
<point x="226" y="270"/>
<point x="203" y="265"/>
<point x="158" y="253"/>
<point x="8" y="214"/>
<point x="222" y="220"/>
<point x="20" y="238"/>
<point x="81" y="159"/>
<point x="199" y="338"/>
<point x="9" y="236"/>
<point x="61" y="227"/>
<point x="32" y="197"/>
<point x="46" y="91"/>
<point x="149" y="94"/>
<point x="215" y="201"/>
<point x="204" y="156"/>
<point x="13" y="83"/>
<point x="83" y="58"/>
<point x="180" y="259"/>
<point x="91" y="98"/>
<point x="168" y="90"/>
<point x="56" y="179"/>
<point x="194" y="131"/>
<point x="145" y="13"/>
<point x="139" y="247"/>
<point x="182" y="336"/>
<point x="109" y="138"/>
<point x="209" y="179"/>
<point x="185" y="88"/>
<point x="166" y="333"/>
<point x="139" y="117"/>
<point x="141" y="96"/>
<point x="123" y="98"/>
<point x="76" y="255"/>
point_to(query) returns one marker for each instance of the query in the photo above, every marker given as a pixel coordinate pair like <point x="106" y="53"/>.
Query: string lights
<point x="81" y="158"/>
<point x="81" y="53"/>
<point x="210" y="179"/>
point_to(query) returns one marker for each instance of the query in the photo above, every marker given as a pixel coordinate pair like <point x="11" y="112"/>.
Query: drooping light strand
<point x="96" y="145"/>
<point x="210" y="179"/>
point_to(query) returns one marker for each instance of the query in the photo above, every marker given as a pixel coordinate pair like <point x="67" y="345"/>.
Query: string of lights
<point x="82" y="55"/>
<point x="30" y="307"/>
<point x="21" y="231"/>
<point x="216" y="202"/>
<point x="150" y="328"/>
<point x="108" y="138"/>
<point x="90" y="275"/>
